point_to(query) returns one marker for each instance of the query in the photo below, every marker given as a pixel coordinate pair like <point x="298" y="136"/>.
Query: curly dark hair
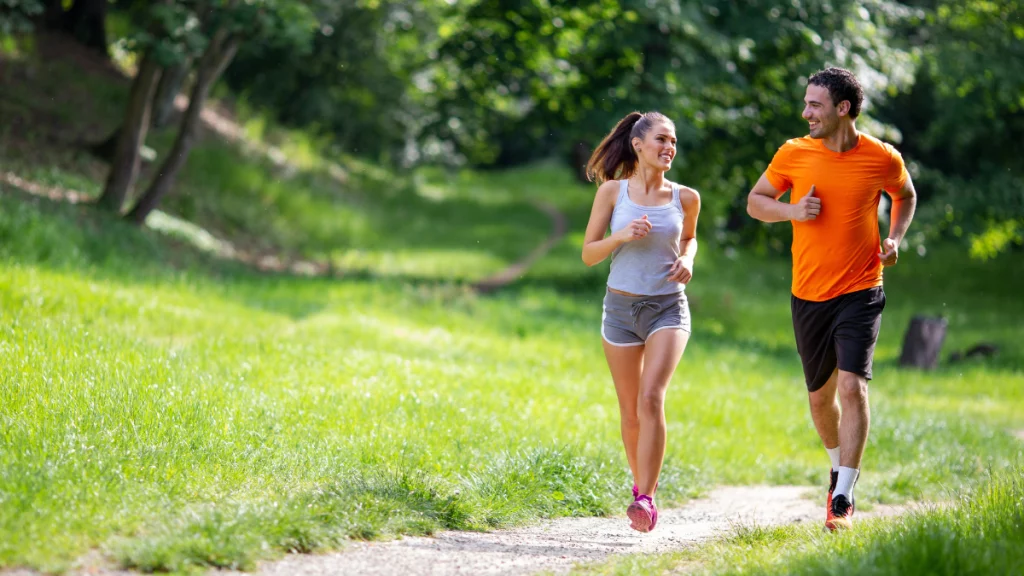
<point x="841" y="85"/>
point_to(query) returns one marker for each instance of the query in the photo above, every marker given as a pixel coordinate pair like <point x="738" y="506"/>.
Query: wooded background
<point x="499" y="83"/>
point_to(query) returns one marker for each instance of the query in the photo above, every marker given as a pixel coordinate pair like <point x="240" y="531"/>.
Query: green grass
<point x="175" y="411"/>
<point x="139" y="400"/>
<point x="164" y="413"/>
<point x="374" y="224"/>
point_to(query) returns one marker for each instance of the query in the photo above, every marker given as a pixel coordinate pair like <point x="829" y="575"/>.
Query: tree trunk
<point x="923" y="342"/>
<point x="106" y="149"/>
<point x="53" y="14"/>
<point x="580" y="156"/>
<point x="87" y="21"/>
<point x="166" y="91"/>
<point x="125" y="166"/>
<point x="217" y="57"/>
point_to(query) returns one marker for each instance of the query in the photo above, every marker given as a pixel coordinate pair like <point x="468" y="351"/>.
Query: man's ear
<point x="843" y="108"/>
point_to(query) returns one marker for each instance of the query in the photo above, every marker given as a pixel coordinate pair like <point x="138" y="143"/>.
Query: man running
<point x="836" y="175"/>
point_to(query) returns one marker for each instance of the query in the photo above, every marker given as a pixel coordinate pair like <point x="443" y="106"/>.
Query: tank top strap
<point x="675" y="198"/>
<point x="623" y="191"/>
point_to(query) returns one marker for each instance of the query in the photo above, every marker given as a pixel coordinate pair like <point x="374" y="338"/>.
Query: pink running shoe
<point x="642" y="513"/>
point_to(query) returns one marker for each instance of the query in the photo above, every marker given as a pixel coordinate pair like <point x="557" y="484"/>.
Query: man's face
<point x="822" y="116"/>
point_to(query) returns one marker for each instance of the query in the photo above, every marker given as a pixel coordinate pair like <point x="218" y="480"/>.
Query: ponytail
<point x="615" y="157"/>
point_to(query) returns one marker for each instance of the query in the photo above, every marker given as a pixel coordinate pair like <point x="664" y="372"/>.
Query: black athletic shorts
<point x="840" y="332"/>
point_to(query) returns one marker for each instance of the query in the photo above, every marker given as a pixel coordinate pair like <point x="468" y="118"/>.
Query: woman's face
<point x="658" y="147"/>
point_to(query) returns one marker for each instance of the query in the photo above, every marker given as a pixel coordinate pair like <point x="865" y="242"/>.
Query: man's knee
<point x="852" y="386"/>
<point x="821" y="399"/>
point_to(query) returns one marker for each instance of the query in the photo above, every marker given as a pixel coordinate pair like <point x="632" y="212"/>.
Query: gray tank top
<point x="641" y="266"/>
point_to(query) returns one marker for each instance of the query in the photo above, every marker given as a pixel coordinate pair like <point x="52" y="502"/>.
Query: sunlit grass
<point x="140" y="400"/>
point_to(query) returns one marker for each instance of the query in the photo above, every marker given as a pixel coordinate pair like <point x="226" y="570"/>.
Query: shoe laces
<point x="841" y="505"/>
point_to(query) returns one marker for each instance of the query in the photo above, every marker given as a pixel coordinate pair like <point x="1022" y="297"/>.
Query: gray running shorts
<point x="630" y="320"/>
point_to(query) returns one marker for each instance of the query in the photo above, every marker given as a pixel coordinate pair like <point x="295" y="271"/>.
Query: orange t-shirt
<point x="837" y="253"/>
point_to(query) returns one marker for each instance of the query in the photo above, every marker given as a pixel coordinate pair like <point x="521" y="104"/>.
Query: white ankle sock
<point x="847" y="478"/>
<point x="833" y="454"/>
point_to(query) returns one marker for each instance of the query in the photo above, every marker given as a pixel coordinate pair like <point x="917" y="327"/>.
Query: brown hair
<point x="615" y="156"/>
<point x="841" y="85"/>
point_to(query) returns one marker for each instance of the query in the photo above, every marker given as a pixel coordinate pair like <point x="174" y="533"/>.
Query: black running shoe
<point x="841" y="513"/>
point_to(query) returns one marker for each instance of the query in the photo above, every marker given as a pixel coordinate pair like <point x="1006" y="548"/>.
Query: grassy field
<point x="177" y="411"/>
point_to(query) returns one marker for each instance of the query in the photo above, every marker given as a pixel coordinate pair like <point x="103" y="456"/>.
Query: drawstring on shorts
<point x="637" y="307"/>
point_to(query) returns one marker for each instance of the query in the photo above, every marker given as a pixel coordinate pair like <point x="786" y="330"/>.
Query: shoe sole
<point x="639" y="517"/>
<point x="839" y="524"/>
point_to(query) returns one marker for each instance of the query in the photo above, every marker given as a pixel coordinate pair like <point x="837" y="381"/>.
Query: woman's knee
<point x="630" y="419"/>
<point x="652" y="402"/>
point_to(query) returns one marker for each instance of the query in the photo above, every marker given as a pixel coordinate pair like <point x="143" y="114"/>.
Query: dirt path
<point x="557" y="545"/>
<point x="552" y="546"/>
<point x="517" y="269"/>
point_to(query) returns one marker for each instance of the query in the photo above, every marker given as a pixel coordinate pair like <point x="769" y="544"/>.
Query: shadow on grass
<point x="59" y="236"/>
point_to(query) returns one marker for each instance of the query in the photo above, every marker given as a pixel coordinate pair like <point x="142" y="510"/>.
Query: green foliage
<point x="500" y="83"/>
<point x="997" y="237"/>
<point x="966" y="108"/>
<point x="171" y="31"/>
<point x="526" y="80"/>
<point x="179" y="30"/>
<point x="16" y="15"/>
<point x="506" y="82"/>
<point x="963" y="120"/>
<point x="985" y="211"/>
<point x="358" y="83"/>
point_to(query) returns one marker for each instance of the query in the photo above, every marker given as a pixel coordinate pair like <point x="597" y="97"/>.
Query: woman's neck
<point x="650" y="179"/>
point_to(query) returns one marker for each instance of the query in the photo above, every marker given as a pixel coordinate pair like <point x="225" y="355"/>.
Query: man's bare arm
<point x="763" y="204"/>
<point x="904" y="203"/>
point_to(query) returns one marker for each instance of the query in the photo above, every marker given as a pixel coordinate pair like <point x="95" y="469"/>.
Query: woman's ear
<point x="636" y="144"/>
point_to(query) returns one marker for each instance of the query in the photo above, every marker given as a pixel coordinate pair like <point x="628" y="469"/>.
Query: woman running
<point x="646" y="320"/>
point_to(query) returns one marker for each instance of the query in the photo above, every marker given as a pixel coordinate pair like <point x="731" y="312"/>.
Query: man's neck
<point x="844" y="139"/>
